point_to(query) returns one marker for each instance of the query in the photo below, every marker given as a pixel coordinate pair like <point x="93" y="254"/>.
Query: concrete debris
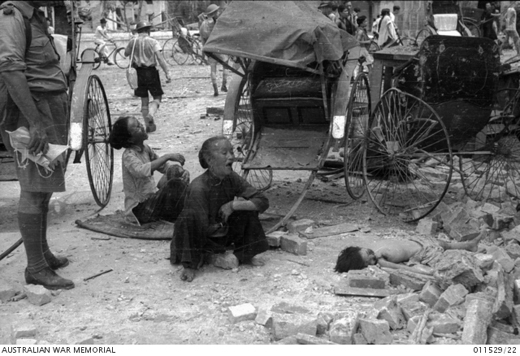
<point x="342" y="330"/>
<point x="37" y="295"/>
<point x="454" y="295"/>
<point x="477" y="320"/>
<point x="411" y="280"/>
<point x="305" y="339"/>
<point x="285" y="325"/>
<point x="6" y="291"/>
<point x="430" y="294"/>
<point x="364" y="279"/>
<point x="427" y="226"/>
<point x="375" y="331"/>
<point x="293" y="244"/>
<point x="458" y="266"/>
<point x="242" y="312"/>
<point x="295" y="226"/>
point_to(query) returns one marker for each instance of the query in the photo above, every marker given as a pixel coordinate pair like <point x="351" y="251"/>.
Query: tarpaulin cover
<point x="292" y="33"/>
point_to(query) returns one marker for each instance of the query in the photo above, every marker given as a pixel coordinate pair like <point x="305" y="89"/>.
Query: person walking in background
<point x="211" y="15"/>
<point x="33" y="95"/>
<point x="509" y="26"/>
<point x="386" y="30"/>
<point x="147" y="52"/>
<point x="101" y="39"/>
<point x="347" y="21"/>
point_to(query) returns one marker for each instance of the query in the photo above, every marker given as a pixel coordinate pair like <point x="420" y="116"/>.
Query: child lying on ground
<point x="143" y="200"/>
<point x="389" y="253"/>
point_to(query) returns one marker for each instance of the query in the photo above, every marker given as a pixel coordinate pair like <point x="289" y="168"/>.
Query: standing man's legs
<point x="32" y="220"/>
<point x="213" y="75"/>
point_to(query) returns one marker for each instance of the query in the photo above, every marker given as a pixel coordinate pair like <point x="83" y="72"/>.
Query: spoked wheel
<point x="242" y="139"/>
<point x="358" y="114"/>
<point x="472" y="27"/>
<point x="407" y="161"/>
<point x="421" y="36"/>
<point x="121" y="60"/>
<point x="492" y="170"/>
<point x="198" y="57"/>
<point x="97" y="57"/>
<point x="99" y="154"/>
<point x="173" y="54"/>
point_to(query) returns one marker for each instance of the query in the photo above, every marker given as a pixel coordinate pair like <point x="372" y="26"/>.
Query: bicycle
<point x="179" y="48"/>
<point x="120" y="59"/>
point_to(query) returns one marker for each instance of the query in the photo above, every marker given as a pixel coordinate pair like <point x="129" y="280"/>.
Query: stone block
<point x="441" y="209"/>
<point x="375" y="331"/>
<point x="477" y="320"/>
<point x="501" y="222"/>
<point x="484" y="260"/>
<point x="427" y="227"/>
<point x="489" y="208"/>
<point x="388" y="309"/>
<point x="455" y="294"/>
<point x="495" y="336"/>
<point x="414" y="281"/>
<point x="293" y="244"/>
<point x="457" y="266"/>
<point x="295" y="226"/>
<point x="289" y="308"/>
<point x="359" y="339"/>
<point x="273" y="239"/>
<point x="242" y="312"/>
<point x="37" y="294"/>
<point x="513" y="250"/>
<point x="412" y="309"/>
<point x="285" y="325"/>
<point x="305" y="339"/>
<point x="225" y="260"/>
<point x="289" y="340"/>
<point x="444" y="324"/>
<point x="412" y="323"/>
<point x="463" y="232"/>
<point x="6" y="291"/>
<point x="342" y="330"/>
<point x="363" y="279"/>
<point x="22" y="331"/>
<point x="430" y="294"/>
<point x="513" y="234"/>
<point x="407" y="298"/>
<point x="264" y="317"/>
<point x="323" y="323"/>
<point x="501" y="256"/>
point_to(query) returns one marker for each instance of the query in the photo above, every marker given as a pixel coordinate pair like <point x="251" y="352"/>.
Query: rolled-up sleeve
<point x="12" y="42"/>
<point x="247" y="191"/>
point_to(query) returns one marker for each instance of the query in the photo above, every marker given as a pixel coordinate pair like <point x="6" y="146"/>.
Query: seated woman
<point x="213" y="220"/>
<point x="143" y="200"/>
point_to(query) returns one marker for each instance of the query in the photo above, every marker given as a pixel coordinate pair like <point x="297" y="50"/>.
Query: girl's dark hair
<point x="384" y="12"/>
<point x="360" y="19"/>
<point x="348" y="259"/>
<point x="207" y="147"/>
<point x="119" y="136"/>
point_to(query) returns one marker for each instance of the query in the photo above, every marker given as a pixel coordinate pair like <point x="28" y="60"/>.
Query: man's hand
<point x="39" y="142"/>
<point x="177" y="157"/>
<point x="226" y="210"/>
<point x="168" y="78"/>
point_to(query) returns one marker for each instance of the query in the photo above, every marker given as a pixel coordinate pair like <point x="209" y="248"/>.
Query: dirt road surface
<point x="143" y="300"/>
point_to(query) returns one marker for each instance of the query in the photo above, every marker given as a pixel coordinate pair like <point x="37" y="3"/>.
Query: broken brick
<point x="305" y="339"/>
<point x="264" y="318"/>
<point x="478" y="317"/>
<point x="37" y="294"/>
<point x="296" y="226"/>
<point x="444" y="324"/>
<point x="273" y="239"/>
<point x="285" y="325"/>
<point x="242" y="312"/>
<point x="427" y="227"/>
<point x="375" y="331"/>
<point x="342" y="330"/>
<point x="414" y="281"/>
<point x="6" y="291"/>
<point x="293" y="244"/>
<point x="455" y="294"/>
<point x="363" y="279"/>
<point x="430" y="294"/>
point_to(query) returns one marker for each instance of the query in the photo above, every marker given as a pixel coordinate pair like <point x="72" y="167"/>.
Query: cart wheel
<point x="494" y="172"/>
<point x="472" y="27"/>
<point x="97" y="58"/>
<point x="358" y="113"/>
<point x="421" y="36"/>
<point x="173" y="54"/>
<point x="242" y="138"/>
<point x="407" y="161"/>
<point x="98" y="152"/>
<point x="121" y="60"/>
<point x="198" y="56"/>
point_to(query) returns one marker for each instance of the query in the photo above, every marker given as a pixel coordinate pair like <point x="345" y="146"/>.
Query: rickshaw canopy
<point x="291" y="33"/>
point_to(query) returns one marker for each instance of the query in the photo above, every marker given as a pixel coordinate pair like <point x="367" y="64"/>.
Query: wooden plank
<point x="362" y="292"/>
<point x="331" y="230"/>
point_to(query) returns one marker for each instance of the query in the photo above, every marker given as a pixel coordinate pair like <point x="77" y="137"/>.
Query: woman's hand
<point x="226" y="210"/>
<point x="177" y="157"/>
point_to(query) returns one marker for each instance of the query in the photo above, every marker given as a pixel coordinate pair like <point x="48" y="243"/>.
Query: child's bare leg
<point x="471" y="245"/>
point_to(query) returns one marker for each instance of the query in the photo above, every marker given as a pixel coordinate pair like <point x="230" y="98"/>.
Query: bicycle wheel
<point x="422" y="35"/>
<point x="121" y="60"/>
<point x="242" y="137"/>
<point x="99" y="154"/>
<point x="97" y="57"/>
<point x="173" y="53"/>
<point x="374" y="47"/>
<point x="198" y="56"/>
<point x="358" y="113"/>
<point x="407" y="161"/>
<point x="493" y="171"/>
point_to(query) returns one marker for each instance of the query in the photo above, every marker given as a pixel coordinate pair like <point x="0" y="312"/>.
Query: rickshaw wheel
<point x="197" y="53"/>
<point x="99" y="154"/>
<point x="242" y="137"/>
<point x="358" y="114"/>
<point x="97" y="58"/>
<point x="173" y="54"/>
<point x="407" y="161"/>
<point x="121" y="60"/>
<point x="421" y="36"/>
<point x="492" y="172"/>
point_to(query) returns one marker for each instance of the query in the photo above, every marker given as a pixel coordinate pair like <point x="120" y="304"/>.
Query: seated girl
<point x="213" y="220"/>
<point x="143" y="200"/>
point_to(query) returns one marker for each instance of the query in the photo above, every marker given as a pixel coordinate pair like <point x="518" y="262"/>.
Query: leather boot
<point x="56" y="262"/>
<point x="215" y="89"/>
<point x="48" y="278"/>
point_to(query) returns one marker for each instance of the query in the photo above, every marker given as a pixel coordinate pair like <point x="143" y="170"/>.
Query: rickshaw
<point x="90" y="123"/>
<point x="293" y="99"/>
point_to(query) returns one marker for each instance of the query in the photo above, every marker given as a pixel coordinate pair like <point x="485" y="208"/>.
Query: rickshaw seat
<point x="446" y="24"/>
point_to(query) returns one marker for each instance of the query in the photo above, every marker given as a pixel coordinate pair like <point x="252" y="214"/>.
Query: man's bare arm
<point x="384" y="263"/>
<point x="164" y="66"/>
<point x="18" y="89"/>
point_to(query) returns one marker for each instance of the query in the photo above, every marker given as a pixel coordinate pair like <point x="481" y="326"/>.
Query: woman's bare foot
<point x="472" y="245"/>
<point x="188" y="274"/>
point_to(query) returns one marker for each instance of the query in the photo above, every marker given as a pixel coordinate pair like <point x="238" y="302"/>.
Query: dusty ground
<point x="143" y="300"/>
